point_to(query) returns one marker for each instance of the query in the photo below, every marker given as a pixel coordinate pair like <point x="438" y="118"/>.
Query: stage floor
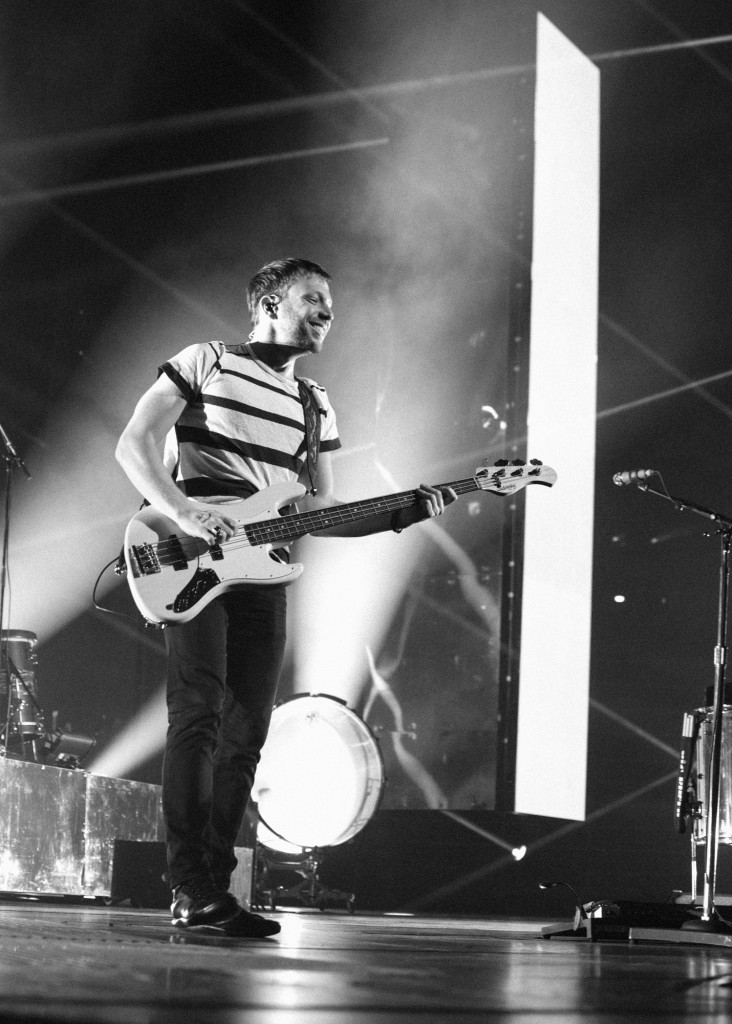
<point x="98" y="964"/>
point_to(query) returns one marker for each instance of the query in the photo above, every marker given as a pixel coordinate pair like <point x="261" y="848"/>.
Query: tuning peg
<point x="518" y="462"/>
<point x="536" y="462"/>
<point x="501" y="462"/>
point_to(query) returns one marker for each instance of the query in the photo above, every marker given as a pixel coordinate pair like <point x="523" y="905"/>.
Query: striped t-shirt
<point x="243" y="428"/>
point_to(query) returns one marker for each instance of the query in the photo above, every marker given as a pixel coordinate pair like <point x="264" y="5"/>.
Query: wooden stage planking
<point x="81" y="964"/>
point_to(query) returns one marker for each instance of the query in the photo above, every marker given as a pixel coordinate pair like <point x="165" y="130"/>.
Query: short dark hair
<point x="276" y="277"/>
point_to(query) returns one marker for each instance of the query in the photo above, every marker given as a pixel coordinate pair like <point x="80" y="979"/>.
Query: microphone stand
<point x="710" y="920"/>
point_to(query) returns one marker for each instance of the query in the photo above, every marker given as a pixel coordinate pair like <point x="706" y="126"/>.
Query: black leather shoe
<point x="200" y="902"/>
<point x="248" y="926"/>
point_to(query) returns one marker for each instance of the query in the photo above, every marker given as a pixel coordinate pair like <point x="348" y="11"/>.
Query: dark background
<point x="101" y="281"/>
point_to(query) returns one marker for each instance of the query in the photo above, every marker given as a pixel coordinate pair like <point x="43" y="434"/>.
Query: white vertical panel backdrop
<point x="557" y="598"/>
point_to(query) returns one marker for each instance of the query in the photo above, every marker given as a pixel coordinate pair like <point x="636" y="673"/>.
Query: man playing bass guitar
<point x="229" y="422"/>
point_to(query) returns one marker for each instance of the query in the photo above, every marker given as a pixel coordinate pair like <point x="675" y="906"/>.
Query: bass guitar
<point x="172" y="576"/>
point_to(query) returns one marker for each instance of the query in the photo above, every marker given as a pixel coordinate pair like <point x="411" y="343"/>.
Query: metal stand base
<point x="592" y="929"/>
<point x="681" y="937"/>
<point x="618" y="920"/>
<point x="713" y="925"/>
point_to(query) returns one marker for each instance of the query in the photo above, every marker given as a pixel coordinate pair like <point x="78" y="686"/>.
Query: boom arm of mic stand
<point x="681" y="504"/>
<point x="710" y="921"/>
<point x="9" y="453"/>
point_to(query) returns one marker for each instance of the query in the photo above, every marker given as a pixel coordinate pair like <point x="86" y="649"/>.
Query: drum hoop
<point x="9" y="636"/>
<point x="370" y="734"/>
<point x="299" y="696"/>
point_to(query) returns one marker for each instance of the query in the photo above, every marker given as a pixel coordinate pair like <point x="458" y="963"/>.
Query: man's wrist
<point x="394" y="522"/>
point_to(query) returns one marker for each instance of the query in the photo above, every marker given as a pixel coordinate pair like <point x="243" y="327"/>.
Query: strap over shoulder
<point x="318" y="392"/>
<point x="313" y="409"/>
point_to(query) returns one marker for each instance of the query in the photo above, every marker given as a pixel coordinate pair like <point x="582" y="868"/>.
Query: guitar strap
<point x="312" y="410"/>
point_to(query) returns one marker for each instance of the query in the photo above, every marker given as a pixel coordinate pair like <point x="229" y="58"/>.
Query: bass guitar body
<point x="172" y="576"/>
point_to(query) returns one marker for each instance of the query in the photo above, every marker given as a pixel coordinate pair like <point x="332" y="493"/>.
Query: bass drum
<point x="320" y="777"/>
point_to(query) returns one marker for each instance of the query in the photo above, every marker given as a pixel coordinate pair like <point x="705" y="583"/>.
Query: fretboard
<point x="289" y="527"/>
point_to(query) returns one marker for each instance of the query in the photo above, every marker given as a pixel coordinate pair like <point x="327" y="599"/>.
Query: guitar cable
<point x="119" y="569"/>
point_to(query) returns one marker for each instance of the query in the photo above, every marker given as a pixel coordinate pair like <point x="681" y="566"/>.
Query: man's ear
<point x="270" y="304"/>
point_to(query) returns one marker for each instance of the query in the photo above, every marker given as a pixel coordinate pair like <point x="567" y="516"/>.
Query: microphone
<point x="632" y="476"/>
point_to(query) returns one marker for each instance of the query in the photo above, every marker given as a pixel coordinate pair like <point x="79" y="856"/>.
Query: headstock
<point x="508" y="477"/>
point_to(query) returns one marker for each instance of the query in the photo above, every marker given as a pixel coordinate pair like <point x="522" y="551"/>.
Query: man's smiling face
<point x="304" y="314"/>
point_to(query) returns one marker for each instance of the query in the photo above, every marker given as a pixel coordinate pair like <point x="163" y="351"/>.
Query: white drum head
<point x="320" y="776"/>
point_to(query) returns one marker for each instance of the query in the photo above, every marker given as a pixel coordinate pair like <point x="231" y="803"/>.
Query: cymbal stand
<point x="710" y="920"/>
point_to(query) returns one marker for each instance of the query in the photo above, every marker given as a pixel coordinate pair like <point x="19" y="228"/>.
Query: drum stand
<point x="310" y="892"/>
<point x="710" y="921"/>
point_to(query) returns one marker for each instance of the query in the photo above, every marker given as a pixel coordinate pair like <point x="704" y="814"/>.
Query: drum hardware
<point x="709" y="921"/>
<point x="693" y="786"/>
<point x="24" y="726"/>
<point x="24" y="732"/>
<point x="318" y="783"/>
<point x="22" y="712"/>
<point x="688" y="807"/>
<point x="310" y="891"/>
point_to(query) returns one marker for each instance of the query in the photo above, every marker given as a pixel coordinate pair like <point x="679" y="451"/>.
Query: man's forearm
<point x="146" y="471"/>
<point x="396" y="520"/>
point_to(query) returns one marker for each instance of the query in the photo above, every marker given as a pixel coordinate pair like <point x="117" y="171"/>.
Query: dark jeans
<point x="223" y="669"/>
